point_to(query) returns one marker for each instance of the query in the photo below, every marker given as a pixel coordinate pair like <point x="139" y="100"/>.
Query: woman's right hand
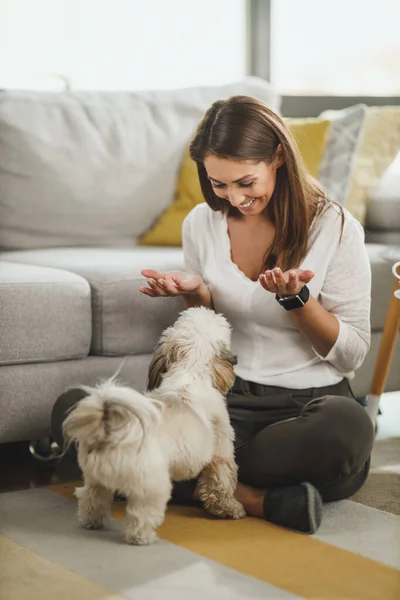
<point x="171" y="283"/>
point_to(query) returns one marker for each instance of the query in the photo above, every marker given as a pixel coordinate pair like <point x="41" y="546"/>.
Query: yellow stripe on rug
<point x="25" y="575"/>
<point x="294" y="562"/>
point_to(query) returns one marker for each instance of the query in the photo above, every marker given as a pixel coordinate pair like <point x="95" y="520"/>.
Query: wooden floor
<point x="19" y="470"/>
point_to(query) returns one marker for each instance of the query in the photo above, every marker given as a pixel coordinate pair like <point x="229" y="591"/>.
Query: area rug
<point x="382" y="488"/>
<point x="46" y="555"/>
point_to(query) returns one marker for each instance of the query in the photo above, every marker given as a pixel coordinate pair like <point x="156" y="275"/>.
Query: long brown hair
<point x="244" y="128"/>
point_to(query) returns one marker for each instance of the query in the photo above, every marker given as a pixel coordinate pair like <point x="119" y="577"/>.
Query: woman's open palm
<point x="170" y="283"/>
<point x="285" y="284"/>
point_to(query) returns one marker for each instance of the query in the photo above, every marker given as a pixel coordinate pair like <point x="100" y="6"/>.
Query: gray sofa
<point x="82" y="176"/>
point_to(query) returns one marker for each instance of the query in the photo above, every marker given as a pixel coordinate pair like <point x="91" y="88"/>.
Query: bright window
<point x="122" y="44"/>
<point x="340" y="47"/>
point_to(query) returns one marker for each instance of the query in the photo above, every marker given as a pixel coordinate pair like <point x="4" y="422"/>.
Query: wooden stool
<point x="388" y="341"/>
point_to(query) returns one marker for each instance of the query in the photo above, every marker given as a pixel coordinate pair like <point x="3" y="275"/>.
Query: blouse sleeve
<point x="189" y="246"/>
<point x="346" y="293"/>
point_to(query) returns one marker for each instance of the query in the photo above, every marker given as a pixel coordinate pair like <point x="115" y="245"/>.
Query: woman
<point x="290" y="271"/>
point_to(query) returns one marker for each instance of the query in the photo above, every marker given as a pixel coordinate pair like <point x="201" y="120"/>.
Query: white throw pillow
<point x="341" y="147"/>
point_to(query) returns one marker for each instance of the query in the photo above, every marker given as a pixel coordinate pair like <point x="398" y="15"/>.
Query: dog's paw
<point x="234" y="510"/>
<point x="92" y="524"/>
<point x="78" y="492"/>
<point x="140" y="539"/>
<point x="228" y="509"/>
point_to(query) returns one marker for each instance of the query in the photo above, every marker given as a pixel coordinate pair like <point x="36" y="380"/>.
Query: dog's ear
<point x="158" y="366"/>
<point x="222" y="372"/>
<point x="163" y="358"/>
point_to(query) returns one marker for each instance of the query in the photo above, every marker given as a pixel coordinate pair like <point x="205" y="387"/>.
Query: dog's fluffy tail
<point x="110" y="415"/>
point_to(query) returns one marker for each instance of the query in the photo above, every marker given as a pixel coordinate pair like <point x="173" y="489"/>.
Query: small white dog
<point x="138" y="444"/>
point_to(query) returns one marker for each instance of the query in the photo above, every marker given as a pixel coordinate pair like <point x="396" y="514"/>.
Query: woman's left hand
<point x="285" y="284"/>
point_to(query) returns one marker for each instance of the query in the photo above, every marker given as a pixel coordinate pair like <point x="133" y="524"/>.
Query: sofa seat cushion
<point x="45" y="314"/>
<point x="382" y="258"/>
<point x="124" y="320"/>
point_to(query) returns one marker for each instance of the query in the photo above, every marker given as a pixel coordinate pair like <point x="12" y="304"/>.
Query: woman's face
<point x="247" y="185"/>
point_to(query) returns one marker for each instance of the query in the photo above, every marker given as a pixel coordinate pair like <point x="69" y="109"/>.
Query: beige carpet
<point x="382" y="488"/>
<point x="354" y="556"/>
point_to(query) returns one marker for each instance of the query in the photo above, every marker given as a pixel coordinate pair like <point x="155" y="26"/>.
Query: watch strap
<point x="296" y="301"/>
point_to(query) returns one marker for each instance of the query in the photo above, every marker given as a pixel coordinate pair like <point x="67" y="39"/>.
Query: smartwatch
<point x="296" y="301"/>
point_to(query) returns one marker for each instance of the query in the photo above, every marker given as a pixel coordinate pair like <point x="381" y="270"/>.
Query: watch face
<point x="295" y="301"/>
<point x="291" y="303"/>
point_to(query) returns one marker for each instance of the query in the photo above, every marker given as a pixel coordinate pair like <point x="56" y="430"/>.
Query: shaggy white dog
<point x="138" y="444"/>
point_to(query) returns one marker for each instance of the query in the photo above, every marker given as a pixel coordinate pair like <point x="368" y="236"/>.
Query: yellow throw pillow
<point x="310" y="135"/>
<point x="167" y="231"/>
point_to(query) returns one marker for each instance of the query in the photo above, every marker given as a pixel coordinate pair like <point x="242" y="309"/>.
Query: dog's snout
<point x="234" y="359"/>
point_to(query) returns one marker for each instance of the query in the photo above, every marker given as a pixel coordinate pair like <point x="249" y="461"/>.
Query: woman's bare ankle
<point x="252" y="499"/>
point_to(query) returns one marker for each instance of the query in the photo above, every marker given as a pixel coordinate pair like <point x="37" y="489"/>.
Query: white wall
<point x="121" y="44"/>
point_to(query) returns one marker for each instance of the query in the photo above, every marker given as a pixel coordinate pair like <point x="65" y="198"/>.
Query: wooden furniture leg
<point x="388" y="341"/>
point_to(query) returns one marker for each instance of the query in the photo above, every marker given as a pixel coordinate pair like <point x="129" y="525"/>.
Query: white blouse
<point x="270" y="349"/>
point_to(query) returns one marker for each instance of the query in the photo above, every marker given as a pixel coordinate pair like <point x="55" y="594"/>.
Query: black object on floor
<point x="45" y="449"/>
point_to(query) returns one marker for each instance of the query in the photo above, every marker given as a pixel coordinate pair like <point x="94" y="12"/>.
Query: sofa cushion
<point x="382" y="259"/>
<point x="376" y="147"/>
<point x="337" y="165"/>
<point x="34" y="388"/>
<point x="383" y="211"/>
<point x="96" y="168"/>
<point x="125" y="321"/>
<point x="45" y="314"/>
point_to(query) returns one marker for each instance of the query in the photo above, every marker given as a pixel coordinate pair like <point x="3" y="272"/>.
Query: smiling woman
<point x="288" y="268"/>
